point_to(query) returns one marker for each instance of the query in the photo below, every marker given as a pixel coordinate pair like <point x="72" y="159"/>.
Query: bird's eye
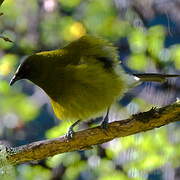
<point x="27" y="67"/>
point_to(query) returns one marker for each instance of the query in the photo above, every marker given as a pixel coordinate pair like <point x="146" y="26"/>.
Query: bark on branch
<point x="87" y="138"/>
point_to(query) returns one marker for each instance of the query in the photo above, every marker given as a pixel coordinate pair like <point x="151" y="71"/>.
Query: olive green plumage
<point x="82" y="79"/>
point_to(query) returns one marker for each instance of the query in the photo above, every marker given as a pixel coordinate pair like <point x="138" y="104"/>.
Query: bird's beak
<point x="14" y="79"/>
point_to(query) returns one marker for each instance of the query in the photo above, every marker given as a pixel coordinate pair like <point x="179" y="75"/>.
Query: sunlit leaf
<point x="137" y="41"/>
<point x="7" y="64"/>
<point x="138" y="62"/>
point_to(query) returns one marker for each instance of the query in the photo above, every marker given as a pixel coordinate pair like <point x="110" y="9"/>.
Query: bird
<point x="83" y="79"/>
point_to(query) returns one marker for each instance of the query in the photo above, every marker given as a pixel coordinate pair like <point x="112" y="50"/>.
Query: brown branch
<point x="85" y="139"/>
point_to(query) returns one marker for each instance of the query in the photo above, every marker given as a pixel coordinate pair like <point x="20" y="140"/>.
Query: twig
<point x="6" y="39"/>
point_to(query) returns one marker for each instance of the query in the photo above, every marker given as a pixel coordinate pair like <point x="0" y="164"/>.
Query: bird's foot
<point x="104" y="124"/>
<point x="70" y="133"/>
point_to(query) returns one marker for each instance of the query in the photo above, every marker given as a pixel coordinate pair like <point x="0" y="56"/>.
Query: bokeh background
<point x="147" y="34"/>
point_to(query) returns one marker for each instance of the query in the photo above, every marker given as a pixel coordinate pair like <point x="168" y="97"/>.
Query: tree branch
<point x="83" y="140"/>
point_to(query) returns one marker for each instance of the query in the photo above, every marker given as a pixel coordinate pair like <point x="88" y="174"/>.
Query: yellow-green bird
<point x="82" y="79"/>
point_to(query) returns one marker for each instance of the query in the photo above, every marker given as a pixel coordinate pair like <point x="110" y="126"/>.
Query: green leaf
<point x="138" y="62"/>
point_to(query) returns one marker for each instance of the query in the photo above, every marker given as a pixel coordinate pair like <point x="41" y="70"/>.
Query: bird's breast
<point x="84" y="91"/>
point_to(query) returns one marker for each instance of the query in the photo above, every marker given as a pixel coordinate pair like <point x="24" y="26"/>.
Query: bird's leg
<point x="104" y="124"/>
<point x="70" y="132"/>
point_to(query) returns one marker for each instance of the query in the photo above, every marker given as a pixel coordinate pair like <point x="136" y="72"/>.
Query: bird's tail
<point x="153" y="77"/>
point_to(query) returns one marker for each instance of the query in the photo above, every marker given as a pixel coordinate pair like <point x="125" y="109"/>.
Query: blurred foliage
<point x="48" y="24"/>
<point x="36" y="172"/>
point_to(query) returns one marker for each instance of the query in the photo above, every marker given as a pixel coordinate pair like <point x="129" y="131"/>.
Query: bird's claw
<point x="104" y="125"/>
<point x="70" y="134"/>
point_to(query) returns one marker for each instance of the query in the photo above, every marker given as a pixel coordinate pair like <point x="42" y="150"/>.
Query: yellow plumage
<point x="89" y="91"/>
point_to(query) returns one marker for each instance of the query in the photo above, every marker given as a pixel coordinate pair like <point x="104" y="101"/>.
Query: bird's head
<point x="25" y="70"/>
